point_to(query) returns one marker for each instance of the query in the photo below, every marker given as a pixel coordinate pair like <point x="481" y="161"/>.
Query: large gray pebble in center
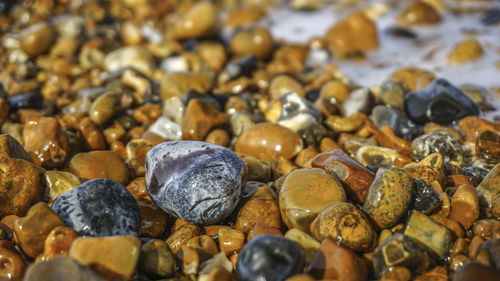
<point x="195" y="181"/>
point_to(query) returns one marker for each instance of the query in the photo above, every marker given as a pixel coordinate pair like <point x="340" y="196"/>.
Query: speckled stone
<point x="489" y="188"/>
<point x="438" y="141"/>
<point x="195" y="181"/>
<point x="99" y="207"/>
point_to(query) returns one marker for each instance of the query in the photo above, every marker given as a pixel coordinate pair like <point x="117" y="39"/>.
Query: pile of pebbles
<point x="177" y="140"/>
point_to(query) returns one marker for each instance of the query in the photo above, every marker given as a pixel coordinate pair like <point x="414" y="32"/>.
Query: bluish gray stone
<point x="99" y="207"/>
<point x="296" y="113"/>
<point x="195" y="181"/>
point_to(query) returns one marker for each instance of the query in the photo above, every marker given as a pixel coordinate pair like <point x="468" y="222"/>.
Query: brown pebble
<point x="262" y="228"/>
<point x="99" y="164"/>
<point x="136" y="157"/>
<point x="13" y="264"/>
<point x="397" y="273"/>
<point x="219" y="137"/>
<point x="199" y="21"/>
<point x="36" y="39"/>
<point x="413" y="78"/>
<point x="154" y="219"/>
<point x="205" y="244"/>
<point x="200" y="118"/>
<point x="58" y="243"/>
<point x="231" y="240"/>
<point x="419" y="13"/>
<point x="475" y="242"/>
<point x="255" y="41"/>
<point x="4" y="111"/>
<point x="465" y="206"/>
<point x="92" y="134"/>
<point x="261" y="207"/>
<point x="181" y="236"/>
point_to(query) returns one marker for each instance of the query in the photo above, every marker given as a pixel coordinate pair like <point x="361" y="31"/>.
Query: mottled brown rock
<point x="92" y="134"/>
<point x="177" y="84"/>
<point x="32" y="230"/>
<point x="345" y="224"/>
<point x="388" y="197"/>
<point x="36" y="39"/>
<point x="147" y="113"/>
<point x="305" y="157"/>
<point x="21" y="181"/>
<point x="331" y="96"/>
<point x="45" y="141"/>
<point x="261" y="207"/>
<point x="398" y="273"/>
<point x="114" y="258"/>
<point x="305" y="193"/>
<point x="13" y="264"/>
<point x="453" y="226"/>
<point x="354" y="34"/>
<point x="465" y="206"/>
<point x="428" y="174"/>
<point x="413" y="78"/>
<point x="189" y="260"/>
<point x="99" y="164"/>
<point x="200" y="118"/>
<point x="335" y="262"/>
<point x="262" y="228"/>
<point x="136" y="157"/>
<point x="181" y="236"/>
<point x="472" y="126"/>
<point x="245" y="42"/>
<point x="213" y="54"/>
<point x="267" y="140"/>
<point x="156" y="260"/>
<point x="356" y="178"/>
<point x="386" y="138"/>
<point x="419" y="13"/>
<point x="58" y="243"/>
<point x="257" y="170"/>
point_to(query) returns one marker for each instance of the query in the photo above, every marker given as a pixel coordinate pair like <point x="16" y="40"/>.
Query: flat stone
<point x="99" y="164"/>
<point x="195" y="181"/>
<point x="99" y="207"/>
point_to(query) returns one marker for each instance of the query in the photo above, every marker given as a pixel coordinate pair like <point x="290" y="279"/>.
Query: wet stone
<point x="177" y="84"/>
<point x="424" y="198"/>
<point x="465" y="206"/>
<point x="99" y="207"/>
<point x="57" y="243"/>
<point x="32" y="99"/>
<point x="388" y="197"/>
<point x="346" y="225"/>
<point x="61" y="268"/>
<point x="489" y="188"/>
<point x="488" y="253"/>
<point x="244" y="42"/>
<point x="37" y="39"/>
<point x="488" y="144"/>
<point x="419" y="13"/>
<point x="195" y="181"/>
<point x="99" y="164"/>
<point x="308" y="243"/>
<point x="153" y="219"/>
<point x="305" y="193"/>
<point x="402" y="126"/>
<point x="135" y="57"/>
<point x="13" y="264"/>
<point x="166" y="129"/>
<point x="261" y="207"/>
<point x="361" y="100"/>
<point x="156" y="260"/>
<point x="438" y="141"/>
<point x="296" y="113"/>
<point x="475" y="271"/>
<point x="440" y="102"/>
<point x="104" y="107"/>
<point x="269" y="257"/>
<point x="393" y="94"/>
<point x="200" y="118"/>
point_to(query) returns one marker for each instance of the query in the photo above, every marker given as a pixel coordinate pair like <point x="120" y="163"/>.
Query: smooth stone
<point x="361" y="100"/>
<point x="433" y="235"/>
<point x="376" y="155"/>
<point x="419" y="13"/>
<point x="393" y="94"/>
<point x="153" y="218"/>
<point x="177" y="84"/>
<point x="465" y="206"/>
<point x="438" y="141"/>
<point x="113" y="258"/>
<point x="305" y="193"/>
<point x="386" y="138"/>
<point x="136" y="156"/>
<point x="308" y="243"/>
<point x="166" y="128"/>
<point x="199" y="21"/>
<point x="32" y="230"/>
<point x="331" y="97"/>
<point x="267" y="140"/>
<point x="21" y="183"/>
<point x="217" y="274"/>
<point x="269" y="257"/>
<point x="440" y="102"/>
<point x="200" y="118"/>
<point x="284" y="84"/>
<point x="488" y="144"/>
<point x="57" y="243"/>
<point x="354" y="34"/>
<point x="61" y="269"/>
<point x="349" y="124"/>
<point x="46" y="141"/>
<point x="135" y="57"/>
<point x="489" y="188"/>
<point x="245" y="42"/>
<point x="414" y="78"/>
<point x="424" y="198"/>
<point x="173" y="109"/>
<point x="296" y="112"/>
<point x="388" y="197"/>
<point x="355" y="177"/>
<point x="13" y="264"/>
<point x="99" y="207"/>
<point x="104" y="107"/>
<point x="32" y="99"/>
<point x="346" y="225"/>
<point x="230" y="240"/>
<point x="438" y="273"/>
<point x="301" y="277"/>
<point x="475" y="271"/>
<point x="400" y="250"/>
<point x="488" y="253"/>
<point x="466" y="51"/>
<point x="36" y="39"/>
<point x="195" y="181"/>
<point x="334" y="262"/>
<point x="156" y="260"/>
<point x="219" y="136"/>
<point x="99" y="164"/>
<point x="241" y="122"/>
<point x="261" y="207"/>
<point x="205" y="244"/>
<point x="403" y="127"/>
<point x="472" y="126"/>
<point x="181" y="236"/>
<point x="93" y="135"/>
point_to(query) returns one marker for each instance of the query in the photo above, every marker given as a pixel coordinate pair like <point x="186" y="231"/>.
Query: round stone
<point x="195" y="181"/>
<point x="99" y="207"/>
<point x="268" y="257"/>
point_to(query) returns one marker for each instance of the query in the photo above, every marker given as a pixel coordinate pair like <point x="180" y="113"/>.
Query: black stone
<point x="475" y="174"/>
<point x="403" y="127"/>
<point x="28" y="100"/>
<point x="440" y="102"/>
<point x="99" y="207"/>
<point x="268" y="257"/>
<point x="424" y="198"/>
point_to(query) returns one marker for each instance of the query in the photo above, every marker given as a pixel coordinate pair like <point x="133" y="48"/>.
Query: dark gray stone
<point x="383" y="115"/>
<point x="195" y="181"/>
<point x="424" y="198"/>
<point x="99" y="207"/>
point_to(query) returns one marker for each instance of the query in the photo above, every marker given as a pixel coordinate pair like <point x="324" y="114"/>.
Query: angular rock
<point x="465" y="206"/>
<point x="200" y="118"/>
<point x="156" y="260"/>
<point x="489" y="188"/>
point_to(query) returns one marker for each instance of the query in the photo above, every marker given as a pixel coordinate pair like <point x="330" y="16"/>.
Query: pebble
<point x="267" y="140"/>
<point x="32" y="230"/>
<point x="428" y="174"/>
<point x="219" y="137"/>
<point x="153" y="219"/>
<point x="99" y="207"/>
<point x="305" y="193"/>
<point x="113" y="258"/>
<point x="230" y="240"/>
<point x="255" y="41"/>
<point x="386" y="138"/>
<point x="178" y="84"/>
<point x="424" y="198"/>
<point x="306" y="241"/>
<point x="465" y="206"/>
<point x="487" y="144"/>
<point x="205" y="244"/>
<point x="104" y="107"/>
<point x="352" y="35"/>
<point x="376" y="155"/>
<point x="334" y="262"/>
<point x="475" y="271"/>
<point x="156" y="260"/>
<point x="419" y="13"/>
<point x="295" y="113"/>
<point x="32" y="99"/>
<point x="355" y="177"/>
<point x="466" y="51"/>
<point x="99" y="164"/>
<point x="393" y="94"/>
<point x="166" y="128"/>
<point x="57" y="243"/>
<point x="261" y="207"/>
<point x="13" y="264"/>
<point x="439" y="102"/>
<point x="269" y="257"/>
<point x="199" y="21"/>
<point x="181" y="236"/>
<point x="346" y="225"/>
<point x="488" y="253"/>
<point x="433" y="235"/>
<point x="358" y="101"/>
<point x="489" y="189"/>
<point x="93" y="136"/>
<point x="202" y="185"/>
<point x="200" y="118"/>
<point x="45" y="141"/>
<point x="135" y="57"/>
<point x="414" y="78"/>
<point x="136" y="157"/>
<point x="349" y="124"/>
<point x="438" y="141"/>
<point x="61" y="268"/>
<point x="402" y="126"/>
<point x="331" y="97"/>
<point x="36" y="39"/>
<point x="388" y="197"/>
<point x="285" y="84"/>
<point x="20" y="179"/>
